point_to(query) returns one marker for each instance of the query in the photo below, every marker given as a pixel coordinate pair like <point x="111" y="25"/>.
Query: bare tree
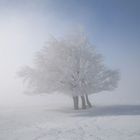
<point x="72" y="66"/>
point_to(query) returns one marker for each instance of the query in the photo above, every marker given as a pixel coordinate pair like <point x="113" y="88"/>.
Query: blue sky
<point x="113" y="26"/>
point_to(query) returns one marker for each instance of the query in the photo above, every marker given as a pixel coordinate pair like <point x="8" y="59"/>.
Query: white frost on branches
<point x="71" y="66"/>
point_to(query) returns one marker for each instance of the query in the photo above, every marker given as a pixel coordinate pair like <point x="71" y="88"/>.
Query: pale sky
<point x="113" y="26"/>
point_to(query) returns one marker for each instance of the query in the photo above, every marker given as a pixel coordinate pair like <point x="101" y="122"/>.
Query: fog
<point x="26" y="26"/>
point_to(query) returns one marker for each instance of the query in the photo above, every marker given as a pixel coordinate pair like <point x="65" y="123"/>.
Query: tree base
<point x="84" y="100"/>
<point x="75" y="101"/>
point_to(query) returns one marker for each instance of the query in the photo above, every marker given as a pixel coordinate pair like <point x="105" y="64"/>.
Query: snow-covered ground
<point x="58" y="121"/>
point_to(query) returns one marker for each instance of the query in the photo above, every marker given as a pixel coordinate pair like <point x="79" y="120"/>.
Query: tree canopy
<point x="70" y="65"/>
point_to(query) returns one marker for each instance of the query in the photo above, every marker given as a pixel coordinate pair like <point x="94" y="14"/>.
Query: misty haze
<point x="69" y="70"/>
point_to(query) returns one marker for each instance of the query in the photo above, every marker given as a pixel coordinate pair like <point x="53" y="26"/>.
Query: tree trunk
<point x="83" y="102"/>
<point x="75" y="101"/>
<point x="88" y="102"/>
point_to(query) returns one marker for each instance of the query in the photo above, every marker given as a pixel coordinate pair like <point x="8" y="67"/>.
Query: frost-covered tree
<point x="71" y="66"/>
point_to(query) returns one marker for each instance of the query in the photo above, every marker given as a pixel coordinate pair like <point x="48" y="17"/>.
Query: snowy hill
<point x="58" y="121"/>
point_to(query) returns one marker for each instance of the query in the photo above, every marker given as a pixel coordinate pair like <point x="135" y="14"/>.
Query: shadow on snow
<point x="110" y="110"/>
